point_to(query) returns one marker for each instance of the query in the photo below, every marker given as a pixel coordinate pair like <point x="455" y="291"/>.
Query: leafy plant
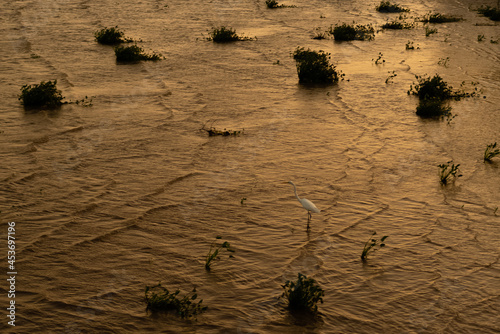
<point x="410" y="46"/>
<point x="448" y="173"/>
<point x="387" y="7"/>
<point x="436" y="88"/>
<point x="314" y="67"/>
<point x="158" y="298"/>
<point x="433" y="108"/>
<point x="225" y="35"/>
<point x="110" y="36"/>
<point x="372" y="245"/>
<point x="319" y="34"/>
<point x="490" y="12"/>
<point x="44" y="94"/>
<point x="350" y="32"/>
<point x="491" y="152"/>
<point x="391" y="76"/>
<point x="379" y="60"/>
<point x="304" y="294"/>
<point x="134" y="53"/>
<point x="272" y="4"/>
<point x="440" y="18"/>
<point x="215" y="249"/>
<point x="397" y="25"/>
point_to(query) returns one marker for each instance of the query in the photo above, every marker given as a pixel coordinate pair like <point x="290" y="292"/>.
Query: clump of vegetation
<point x="429" y="31"/>
<point x="480" y="38"/>
<point x="304" y="294"/>
<point x="272" y="4"/>
<point x="410" y="46"/>
<point x="44" y="94"/>
<point x="319" y="34"/>
<point x="158" y="298"/>
<point x="314" y="67"/>
<point x="111" y="36"/>
<point x="225" y="35"/>
<point x="491" y="152"/>
<point x="372" y="245"/>
<point x="440" y="18"/>
<point x="490" y="12"/>
<point x="436" y="88"/>
<point x="391" y="76"/>
<point x="433" y="108"/>
<point x="215" y="249"/>
<point x="217" y="132"/>
<point x="379" y="60"/>
<point x="134" y="53"/>
<point x="350" y="32"/>
<point x="398" y="25"/>
<point x="387" y="7"/>
<point x="448" y="172"/>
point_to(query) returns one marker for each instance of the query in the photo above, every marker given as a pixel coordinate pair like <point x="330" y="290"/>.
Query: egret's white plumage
<point x="306" y="204"/>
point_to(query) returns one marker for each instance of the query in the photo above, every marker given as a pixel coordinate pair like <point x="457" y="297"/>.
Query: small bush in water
<point x="433" y="108"/>
<point x="436" y="88"/>
<point x="314" y="67"/>
<point x="491" y="152"/>
<point x="350" y="32"/>
<point x="304" y="294"/>
<point x="158" y="298"/>
<point x="133" y="53"/>
<point x="40" y="95"/>
<point x="225" y="35"/>
<point x="372" y="245"/>
<point x="448" y="172"/>
<point x="110" y="36"/>
<point x="440" y="18"/>
<point x="215" y="249"/>
<point x="490" y="12"/>
<point x="387" y="7"/>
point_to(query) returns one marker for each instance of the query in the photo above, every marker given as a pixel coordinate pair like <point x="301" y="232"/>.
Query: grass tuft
<point x="44" y="94"/>
<point x="225" y="35"/>
<point x="304" y="294"/>
<point x="387" y="7"/>
<point x="313" y="67"/>
<point x="215" y="249"/>
<point x="440" y="18"/>
<point x="372" y="245"/>
<point x="111" y="36"/>
<point x="351" y="32"/>
<point x="491" y="152"/>
<point x="134" y="53"/>
<point x="158" y="298"/>
<point x="398" y="25"/>
<point x="448" y="172"/>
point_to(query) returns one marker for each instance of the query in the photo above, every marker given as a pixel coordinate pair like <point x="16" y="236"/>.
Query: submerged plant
<point x="433" y="108"/>
<point x="379" y="60"/>
<point x="134" y="53"/>
<point x="110" y="36"/>
<point x="491" y="152"/>
<point x="314" y="67"/>
<point x="490" y="12"/>
<point x="440" y="18"/>
<point x="44" y="94"/>
<point x="397" y="25"/>
<point x="350" y="32"/>
<point x="410" y="46"/>
<point x="225" y="35"/>
<point x="391" y="76"/>
<point x="158" y="298"/>
<point x="372" y="245"/>
<point x="429" y="31"/>
<point x="448" y="172"/>
<point x="304" y="294"/>
<point x="215" y="249"/>
<point x="387" y="7"/>
<point x="436" y="88"/>
<point x="272" y="4"/>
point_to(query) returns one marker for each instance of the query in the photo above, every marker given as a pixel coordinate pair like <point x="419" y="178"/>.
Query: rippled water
<point x="130" y="192"/>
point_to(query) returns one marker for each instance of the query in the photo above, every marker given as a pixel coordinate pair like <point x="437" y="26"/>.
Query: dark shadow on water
<point x="309" y="320"/>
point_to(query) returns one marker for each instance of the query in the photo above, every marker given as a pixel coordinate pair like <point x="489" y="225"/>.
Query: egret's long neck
<point x="295" y="191"/>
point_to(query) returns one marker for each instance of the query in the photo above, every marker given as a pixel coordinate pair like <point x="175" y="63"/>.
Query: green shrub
<point x="372" y="245"/>
<point x="110" y="36"/>
<point x="314" y="67"/>
<point x="440" y="18"/>
<point x="490" y="12"/>
<point x="350" y="32"/>
<point x="491" y="152"/>
<point x="133" y="53"/>
<point x="448" y="173"/>
<point x="225" y="35"/>
<point x="40" y="95"/>
<point x="158" y="298"/>
<point x="304" y="294"/>
<point x="387" y="7"/>
<point x="213" y="253"/>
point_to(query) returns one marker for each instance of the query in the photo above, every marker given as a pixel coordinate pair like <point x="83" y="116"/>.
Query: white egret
<point x="306" y="204"/>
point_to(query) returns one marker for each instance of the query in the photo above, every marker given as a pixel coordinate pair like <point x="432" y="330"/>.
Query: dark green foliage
<point x="304" y="294"/>
<point x="433" y="108"/>
<point x="225" y="35"/>
<point x="110" y="36"/>
<point x="491" y="152"/>
<point x="350" y="32"/>
<point x="440" y="18"/>
<point x="133" y="53"/>
<point x="215" y="249"/>
<point x="372" y="245"/>
<point x="436" y="88"/>
<point x="490" y="12"/>
<point x="314" y="67"/>
<point x="448" y="173"/>
<point x="158" y="298"/>
<point x="387" y="7"/>
<point x="41" y="95"/>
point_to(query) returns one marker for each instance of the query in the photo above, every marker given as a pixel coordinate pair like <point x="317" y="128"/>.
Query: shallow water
<point x="129" y="192"/>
